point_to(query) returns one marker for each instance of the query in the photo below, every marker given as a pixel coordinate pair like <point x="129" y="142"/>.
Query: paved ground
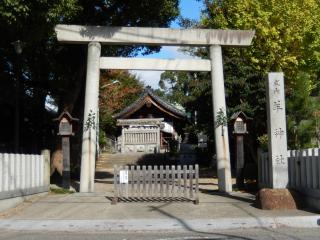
<point x="239" y="234"/>
<point x="93" y="212"/>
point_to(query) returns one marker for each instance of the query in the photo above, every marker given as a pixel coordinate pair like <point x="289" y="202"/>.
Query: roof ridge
<point x="149" y="91"/>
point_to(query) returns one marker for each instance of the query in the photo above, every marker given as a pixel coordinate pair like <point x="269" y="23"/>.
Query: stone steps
<point x="108" y="160"/>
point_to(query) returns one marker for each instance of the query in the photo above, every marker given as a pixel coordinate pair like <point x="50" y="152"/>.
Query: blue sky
<point x="189" y="9"/>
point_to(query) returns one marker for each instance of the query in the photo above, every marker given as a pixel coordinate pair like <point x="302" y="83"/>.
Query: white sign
<point x="277" y="131"/>
<point x="124" y="176"/>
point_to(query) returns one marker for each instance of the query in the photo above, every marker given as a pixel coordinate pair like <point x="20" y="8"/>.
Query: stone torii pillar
<point x="219" y="103"/>
<point x="88" y="156"/>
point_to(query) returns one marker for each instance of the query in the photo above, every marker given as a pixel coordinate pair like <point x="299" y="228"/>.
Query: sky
<point x="188" y="9"/>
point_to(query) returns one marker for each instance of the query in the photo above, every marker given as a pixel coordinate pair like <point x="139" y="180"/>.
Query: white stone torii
<point x="94" y="36"/>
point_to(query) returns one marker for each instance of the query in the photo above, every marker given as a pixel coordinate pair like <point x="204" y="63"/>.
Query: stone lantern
<point x="66" y="126"/>
<point x="240" y="120"/>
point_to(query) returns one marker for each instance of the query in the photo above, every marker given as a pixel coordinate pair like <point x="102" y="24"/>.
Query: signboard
<point x="124" y="176"/>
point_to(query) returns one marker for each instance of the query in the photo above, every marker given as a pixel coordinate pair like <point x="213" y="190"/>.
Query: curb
<point x="159" y="224"/>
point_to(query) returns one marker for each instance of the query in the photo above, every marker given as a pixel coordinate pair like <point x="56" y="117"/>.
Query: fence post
<point x="1" y="171"/>
<point x="309" y="167"/>
<point x="191" y="181"/>
<point x="196" y="201"/>
<point x="115" y="183"/>
<point x="173" y="180"/>
<point x="6" y="172"/>
<point x="11" y="171"/>
<point x="303" y="168"/>
<point x="46" y="167"/>
<point x="259" y="167"/>
<point x="179" y="180"/>
<point x="291" y="164"/>
<point x="314" y="169"/>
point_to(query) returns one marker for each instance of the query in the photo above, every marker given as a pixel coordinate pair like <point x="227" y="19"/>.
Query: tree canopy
<point x="49" y="70"/>
<point x="286" y="39"/>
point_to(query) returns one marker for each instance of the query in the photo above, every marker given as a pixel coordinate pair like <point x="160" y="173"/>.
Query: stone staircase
<point x="108" y="160"/>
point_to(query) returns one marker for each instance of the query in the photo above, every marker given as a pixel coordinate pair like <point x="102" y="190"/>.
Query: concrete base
<point x="6" y="204"/>
<point x="280" y="199"/>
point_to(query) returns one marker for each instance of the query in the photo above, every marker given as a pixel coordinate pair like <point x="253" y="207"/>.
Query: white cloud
<point x="149" y="78"/>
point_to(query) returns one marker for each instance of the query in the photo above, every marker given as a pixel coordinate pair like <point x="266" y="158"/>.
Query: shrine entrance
<point x="94" y="36"/>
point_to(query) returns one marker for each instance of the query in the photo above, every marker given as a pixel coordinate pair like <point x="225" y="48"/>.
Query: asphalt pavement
<point x="235" y="234"/>
<point x="93" y="212"/>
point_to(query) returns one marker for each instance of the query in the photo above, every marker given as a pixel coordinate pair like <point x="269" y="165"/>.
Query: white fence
<point x="24" y="174"/>
<point x="303" y="169"/>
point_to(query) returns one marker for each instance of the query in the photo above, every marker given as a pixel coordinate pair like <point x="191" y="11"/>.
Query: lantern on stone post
<point x="66" y="126"/>
<point x="240" y="120"/>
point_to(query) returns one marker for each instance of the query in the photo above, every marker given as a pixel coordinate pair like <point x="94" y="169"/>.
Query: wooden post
<point x="179" y="180"/>
<point x="196" y="201"/>
<point x="191" y="181"/>
<point x="115" y="183"/>
<point x="185" y="181"/>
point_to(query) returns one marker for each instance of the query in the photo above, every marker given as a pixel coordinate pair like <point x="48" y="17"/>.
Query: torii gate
<point x="94" y="36"/>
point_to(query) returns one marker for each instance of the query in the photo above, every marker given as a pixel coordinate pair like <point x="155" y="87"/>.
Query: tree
<point x="55" y="70"/>
<point x="32" y="23"/>
<point x="278" y="45"/>
<point x="115" y="96"/>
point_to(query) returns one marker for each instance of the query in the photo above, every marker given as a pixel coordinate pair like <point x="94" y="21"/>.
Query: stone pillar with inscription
<point x="277" y="132"/>
<point x="278" y="196"/>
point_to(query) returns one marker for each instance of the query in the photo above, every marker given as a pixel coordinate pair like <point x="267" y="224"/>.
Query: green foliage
<point x="222" y="119"/>
<point x="287" y="38"/>
<point x="50" y="68"/>
<point x="173" y="147"/>
<point x="279" y="43"/>
<point x="263" y="142"/>
<point x="115" y="97"/>
<point x="302" y="105"/>
<point x="102" y="138"/>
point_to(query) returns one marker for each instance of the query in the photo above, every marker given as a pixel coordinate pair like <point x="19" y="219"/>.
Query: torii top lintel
<point x="152" y="36"/>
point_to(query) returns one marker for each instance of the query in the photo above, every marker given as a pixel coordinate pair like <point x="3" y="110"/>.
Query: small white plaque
<point x="124" y="176"/>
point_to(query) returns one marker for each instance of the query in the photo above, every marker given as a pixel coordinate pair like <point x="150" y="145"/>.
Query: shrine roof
<point x="148" y="96"/>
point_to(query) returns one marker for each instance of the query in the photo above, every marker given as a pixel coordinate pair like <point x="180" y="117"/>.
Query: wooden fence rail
<point x="156" y="183"/>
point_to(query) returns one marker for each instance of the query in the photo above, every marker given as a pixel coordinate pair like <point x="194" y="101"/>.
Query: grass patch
<point x="61" y="191"/>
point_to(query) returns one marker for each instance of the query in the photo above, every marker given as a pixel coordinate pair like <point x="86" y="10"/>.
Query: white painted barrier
<point x="24" y="174"/>
<point x="304" y="173"/>
<point x="303" y="167"/>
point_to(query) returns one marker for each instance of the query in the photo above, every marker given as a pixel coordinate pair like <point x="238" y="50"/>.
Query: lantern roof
<point x="241" y="115"/>
<point x="66" y="114"/>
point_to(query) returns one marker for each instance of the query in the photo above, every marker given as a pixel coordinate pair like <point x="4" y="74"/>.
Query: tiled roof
<point x="141" y="101"/>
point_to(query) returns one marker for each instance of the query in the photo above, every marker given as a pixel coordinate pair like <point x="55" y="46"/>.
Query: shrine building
<point x="149" y="124"/>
